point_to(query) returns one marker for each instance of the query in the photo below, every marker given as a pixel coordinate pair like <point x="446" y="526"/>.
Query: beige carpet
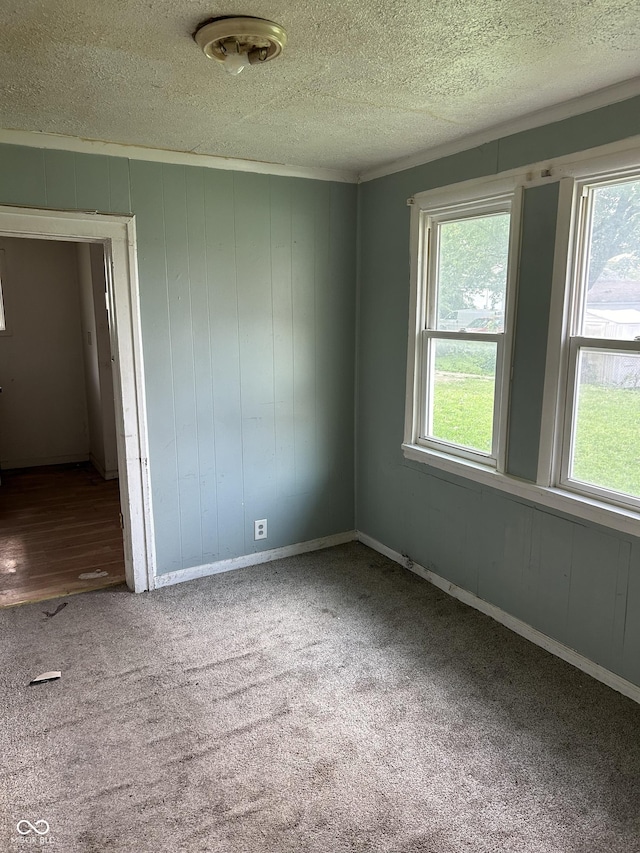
<point x="322" y="704"/>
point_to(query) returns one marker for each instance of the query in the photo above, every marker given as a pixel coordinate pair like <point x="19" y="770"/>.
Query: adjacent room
<point x="319" y="446"/>
<point x="59" y="497"/>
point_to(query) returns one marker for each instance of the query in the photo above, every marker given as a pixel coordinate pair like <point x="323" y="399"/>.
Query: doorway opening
<point x="75" y="506"/>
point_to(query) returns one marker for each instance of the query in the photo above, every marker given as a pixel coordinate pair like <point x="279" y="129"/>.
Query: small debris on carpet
<point x="56" y="611"/>
<point x="52" y="675"/>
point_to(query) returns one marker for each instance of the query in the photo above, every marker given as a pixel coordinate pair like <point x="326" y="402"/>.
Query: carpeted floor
<point x="327" y="703"/>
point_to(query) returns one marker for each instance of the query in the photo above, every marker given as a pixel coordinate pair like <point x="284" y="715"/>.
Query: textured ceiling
<point x="361" y="82"/>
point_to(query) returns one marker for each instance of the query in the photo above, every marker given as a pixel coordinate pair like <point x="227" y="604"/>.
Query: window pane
<point x="472" y="273"/>
<point x="606" y="449"/>
<point x="612" y="302"/>
<point x="463" y="390"/>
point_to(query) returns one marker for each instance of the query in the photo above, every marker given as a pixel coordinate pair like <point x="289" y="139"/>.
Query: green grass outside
<point x="463" y="411"/>
<point x="607" y="441"/>
<point x="465" y="360"/>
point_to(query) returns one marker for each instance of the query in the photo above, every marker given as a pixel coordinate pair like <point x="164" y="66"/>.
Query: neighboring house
<point x="614" y="302"/>
<point x="613" y="311"/>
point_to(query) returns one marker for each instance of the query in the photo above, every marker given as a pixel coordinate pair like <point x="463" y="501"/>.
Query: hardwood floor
<point x="57" y="524"/>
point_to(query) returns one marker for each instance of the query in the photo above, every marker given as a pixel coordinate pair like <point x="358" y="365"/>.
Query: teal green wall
<point x="535" y="271"/>
<point x="573" y="581"/>
<point x="247" y="291"/>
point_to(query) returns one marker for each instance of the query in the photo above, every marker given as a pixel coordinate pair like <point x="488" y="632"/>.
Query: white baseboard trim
<point x="105" y="473"/>
<point x="616" y="682"/>
<point x="255" y="559"/>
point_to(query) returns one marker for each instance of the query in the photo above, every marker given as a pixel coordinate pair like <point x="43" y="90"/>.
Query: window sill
<point x="579" y="506"/>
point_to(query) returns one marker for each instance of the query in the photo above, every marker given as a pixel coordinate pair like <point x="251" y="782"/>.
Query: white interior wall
<point x="43" y="407"/>
<point x="105" y="363"/>
<point x="89" y="352"/>
<point x="97" y="359"/>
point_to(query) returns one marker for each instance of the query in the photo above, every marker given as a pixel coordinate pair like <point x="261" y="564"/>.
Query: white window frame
<point x="556" y="449"/>
<point x="429" y="209"/>
<point x="621" y="157"/>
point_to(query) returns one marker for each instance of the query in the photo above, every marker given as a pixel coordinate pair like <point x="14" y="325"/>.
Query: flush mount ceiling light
<point x="240" y="42"/>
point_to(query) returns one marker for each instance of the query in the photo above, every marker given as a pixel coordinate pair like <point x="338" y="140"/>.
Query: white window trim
<point x="501" y="193"/>
<point x="624" y="156"/>
<point x="573" y="504"/>
<point x="575" y="344"/>
<point x="564" y="347"/>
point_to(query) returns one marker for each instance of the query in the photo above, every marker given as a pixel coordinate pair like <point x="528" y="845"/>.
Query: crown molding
<point x="548" y="115"/>
<point x="58" y="142"/>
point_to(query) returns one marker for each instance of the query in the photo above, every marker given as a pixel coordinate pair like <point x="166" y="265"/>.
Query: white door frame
<point x="118" y="236"/>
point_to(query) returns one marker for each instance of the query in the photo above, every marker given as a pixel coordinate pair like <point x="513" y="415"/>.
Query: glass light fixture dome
<point x="238" y="43"/>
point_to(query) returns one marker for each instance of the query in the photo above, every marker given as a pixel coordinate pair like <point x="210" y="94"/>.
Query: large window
<point x="599" y="450"/>
<point x="459" y="349"/>
<point x="579" y="449"/>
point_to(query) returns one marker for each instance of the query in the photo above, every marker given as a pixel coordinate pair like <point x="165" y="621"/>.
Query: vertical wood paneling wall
<point x="573" y="581"/>
<point x="248" y="313"/>
<point x="247" y="289"/>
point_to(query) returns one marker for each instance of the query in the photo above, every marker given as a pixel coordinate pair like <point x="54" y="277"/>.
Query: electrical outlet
<point x="260" y="529"/>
